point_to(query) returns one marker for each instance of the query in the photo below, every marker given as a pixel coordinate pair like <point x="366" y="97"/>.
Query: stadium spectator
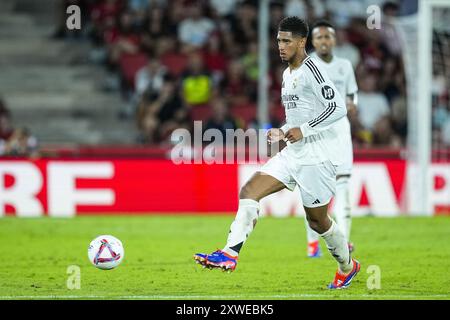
<point x="155" y="26"/>
<point x="125" y="41"/>
<point x="318" y="8"/>
<point x="361" y="137"/>
<point x="306" y="9"/>
<point x="150" y="78"/>
<point x="171" y="57"/>
<point x="372" y="105"/>
<point x="103" y="17"/>
<point x="344" y="48"/>
<point x="373" y="52"/>
<point x="391" y="81"/>
<point x="160" y="112"/>
<point x="6" y="129"/>
<point x="250" y="62"/>
<point x="384" y="135"/>
<point x="138" y="8"/>
<point x="196" y="28"/>
<point x="15" y="142"/>
<point x="399" y="117"/>
<point x="223" y="8"/>
<point x="236" y="87"/>
<point x="215" y="58"/>
<point x="244" y="24"/>
<point x="296" y="8"/>
<point x="388" y="32"/>
<point x="343" y="11"/>
<point x="21" y="144"/>
<point x="276" y="15"/>
<point x="196" y="81"/>
<point x="220" y="119"/>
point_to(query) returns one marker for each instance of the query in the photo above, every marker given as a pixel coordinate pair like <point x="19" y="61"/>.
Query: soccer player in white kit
<point x="313" y="106"/>
<point x="341" y="73"/>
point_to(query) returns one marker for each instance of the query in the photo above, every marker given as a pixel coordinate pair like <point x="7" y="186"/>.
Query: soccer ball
<point x="105" y="252"/>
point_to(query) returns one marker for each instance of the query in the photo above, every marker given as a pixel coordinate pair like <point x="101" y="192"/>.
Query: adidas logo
<point x="316" y="202"/>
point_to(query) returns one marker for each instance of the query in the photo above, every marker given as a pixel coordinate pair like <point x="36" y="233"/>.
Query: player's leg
<point x="342" y="204"/>
<point x="342" y="207"/>
<point x="317" y="186"/>
<point x="312" y="238"/>
<point x="320" y="222"/>
<point x="272" y="178"/>
<point x="342" y="215"/>
<point x="259" y="186"/>
<point x="336" y="244"/>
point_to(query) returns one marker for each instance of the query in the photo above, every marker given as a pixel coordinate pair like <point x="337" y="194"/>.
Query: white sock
<point x="311" y="235"/>
<point x="337" y="245"/>
<point x="242" y="226"/>
<point x="342" y="207"/>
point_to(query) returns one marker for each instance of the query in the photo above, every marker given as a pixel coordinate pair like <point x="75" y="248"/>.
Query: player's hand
<point x="274" y="135"/>
<point x="294" y="135"/>
<point x="351" y="107"/>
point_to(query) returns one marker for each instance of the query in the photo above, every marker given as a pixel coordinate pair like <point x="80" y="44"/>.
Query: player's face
<point x="323" y="40"/>
<point x="289" y="45"/>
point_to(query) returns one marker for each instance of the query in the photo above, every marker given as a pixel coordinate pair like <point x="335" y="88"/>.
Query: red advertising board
<point x="69" y="187"/>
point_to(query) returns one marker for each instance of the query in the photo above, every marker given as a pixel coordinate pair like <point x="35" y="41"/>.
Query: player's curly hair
<point x="294" y="24"/>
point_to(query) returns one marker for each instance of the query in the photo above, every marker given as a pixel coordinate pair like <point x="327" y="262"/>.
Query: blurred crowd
<point x="185" y="60"/>
<point x="15" y="142"/>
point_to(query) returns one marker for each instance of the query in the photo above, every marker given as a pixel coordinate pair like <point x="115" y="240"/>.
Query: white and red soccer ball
<point x="105" y="252"/>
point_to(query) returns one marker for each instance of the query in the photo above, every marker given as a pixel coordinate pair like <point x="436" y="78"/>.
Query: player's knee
<point x="246" y="192"/>
<point x="313" y="222"/>
<point x="318" y="225"/>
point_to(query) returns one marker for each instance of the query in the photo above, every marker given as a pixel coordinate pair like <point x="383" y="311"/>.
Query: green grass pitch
<point x="412" y="254"/>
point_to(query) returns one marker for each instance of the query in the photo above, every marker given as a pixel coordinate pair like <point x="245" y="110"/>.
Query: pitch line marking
<point x="183" y="297"/>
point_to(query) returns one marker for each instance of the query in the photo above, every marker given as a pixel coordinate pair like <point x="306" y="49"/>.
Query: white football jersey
<point x="341" y="72"/>
<point x="313" y="104"/>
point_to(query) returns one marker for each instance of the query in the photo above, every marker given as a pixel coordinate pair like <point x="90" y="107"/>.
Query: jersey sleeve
<point x="325" y="92"/>
<point x="351" y="86"/>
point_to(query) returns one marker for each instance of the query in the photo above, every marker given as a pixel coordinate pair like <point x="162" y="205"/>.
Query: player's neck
<point x="326" y="57"/>
<point x="297" y="61"/>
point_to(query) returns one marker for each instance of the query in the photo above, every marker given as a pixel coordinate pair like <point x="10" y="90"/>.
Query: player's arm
<point x="351" y="89"/>
<point x="335" y="108"/>
<point x="329" y="96"/>
<point x="352" y="99"/>
<point x="352" y="103"/>
<point x="275" y="134"/>
<point x="275" y="141"/>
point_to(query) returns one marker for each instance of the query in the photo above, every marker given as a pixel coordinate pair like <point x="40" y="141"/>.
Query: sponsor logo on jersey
<point x="289" y="97"/>
<point x="327" y="92"/>
<point x="289" y="101"/>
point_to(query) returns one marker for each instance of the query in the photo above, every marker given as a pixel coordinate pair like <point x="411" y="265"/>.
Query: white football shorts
<point x="317" y="183"/>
